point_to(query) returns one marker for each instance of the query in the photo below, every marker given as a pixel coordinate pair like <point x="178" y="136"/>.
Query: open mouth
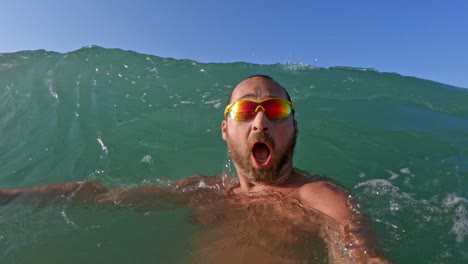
<point x="261" y="154"/>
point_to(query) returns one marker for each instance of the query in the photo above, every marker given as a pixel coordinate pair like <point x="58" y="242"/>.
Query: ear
<point x="224" y="129"/>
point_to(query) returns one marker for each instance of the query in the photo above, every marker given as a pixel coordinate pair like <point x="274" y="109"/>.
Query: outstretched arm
<point x="146" y="197"/>
<point x="79" y="192"/>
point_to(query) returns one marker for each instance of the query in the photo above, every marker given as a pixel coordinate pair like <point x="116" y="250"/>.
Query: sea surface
<point x="400" y="144"/>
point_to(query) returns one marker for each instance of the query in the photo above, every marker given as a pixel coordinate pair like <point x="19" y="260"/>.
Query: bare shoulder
<point x="327" y="198"/>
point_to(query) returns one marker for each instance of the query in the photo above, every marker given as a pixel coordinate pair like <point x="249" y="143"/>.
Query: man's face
<point x="260" y="148"/>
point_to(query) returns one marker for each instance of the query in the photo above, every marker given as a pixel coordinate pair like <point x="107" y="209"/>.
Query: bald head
<point x="252" y="85"/>
<point x="262" y="145"/>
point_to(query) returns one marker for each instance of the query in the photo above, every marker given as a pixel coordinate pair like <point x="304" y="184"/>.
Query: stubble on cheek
<point x="241" y="155"/>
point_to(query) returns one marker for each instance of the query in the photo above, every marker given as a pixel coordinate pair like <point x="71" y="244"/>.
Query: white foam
<point x="452" y="208"/>
<point x="452" y="199"/>
<point x="393" y="175"/>
<point x="394" y="206"/>
<point x="460" y="224"/>
<point x="294" y="66"/>
<point x="49" y="82"/>
<point x="460" y="220"/>
<point x="374" y="183"/>
<point x="384" y="188"/>
<point x="103" y="147"/>
<point x="216" y="103"/>
<point x="147" y="159"/>
<point x="405" y="171"/>
<point x="5" y="66"/>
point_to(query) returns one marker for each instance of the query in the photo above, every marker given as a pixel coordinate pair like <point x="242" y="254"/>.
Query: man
<point x="262" y="148"/>
<point x="269" y="208"/>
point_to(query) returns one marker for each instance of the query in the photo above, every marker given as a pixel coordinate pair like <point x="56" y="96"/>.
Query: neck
<point x="248" y="184"/>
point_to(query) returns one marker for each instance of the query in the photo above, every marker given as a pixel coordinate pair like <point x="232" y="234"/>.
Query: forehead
<point x="257" y="88"/>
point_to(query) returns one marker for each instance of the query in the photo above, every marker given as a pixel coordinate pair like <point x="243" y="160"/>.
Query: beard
<point x="271" y="174"/>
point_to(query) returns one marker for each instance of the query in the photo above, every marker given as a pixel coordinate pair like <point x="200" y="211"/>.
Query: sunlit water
<point x="126" y="119"/>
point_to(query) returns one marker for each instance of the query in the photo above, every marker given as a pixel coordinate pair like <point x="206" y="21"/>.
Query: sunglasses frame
<point x="259" y="105"/>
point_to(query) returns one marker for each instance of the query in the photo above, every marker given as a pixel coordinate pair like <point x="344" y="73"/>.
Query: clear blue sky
<point x="426" y="39"/>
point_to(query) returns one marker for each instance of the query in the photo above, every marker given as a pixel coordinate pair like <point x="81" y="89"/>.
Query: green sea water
<point x="399" y="143"/>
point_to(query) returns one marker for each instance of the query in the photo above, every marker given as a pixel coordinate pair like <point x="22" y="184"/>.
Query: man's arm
<point x="347" y="223"/>
<point x="79" y="192"/>
<point x="146" y="197"/>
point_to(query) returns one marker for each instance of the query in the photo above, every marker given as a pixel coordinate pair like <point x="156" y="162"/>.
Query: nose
<point x="260" y="122"/>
